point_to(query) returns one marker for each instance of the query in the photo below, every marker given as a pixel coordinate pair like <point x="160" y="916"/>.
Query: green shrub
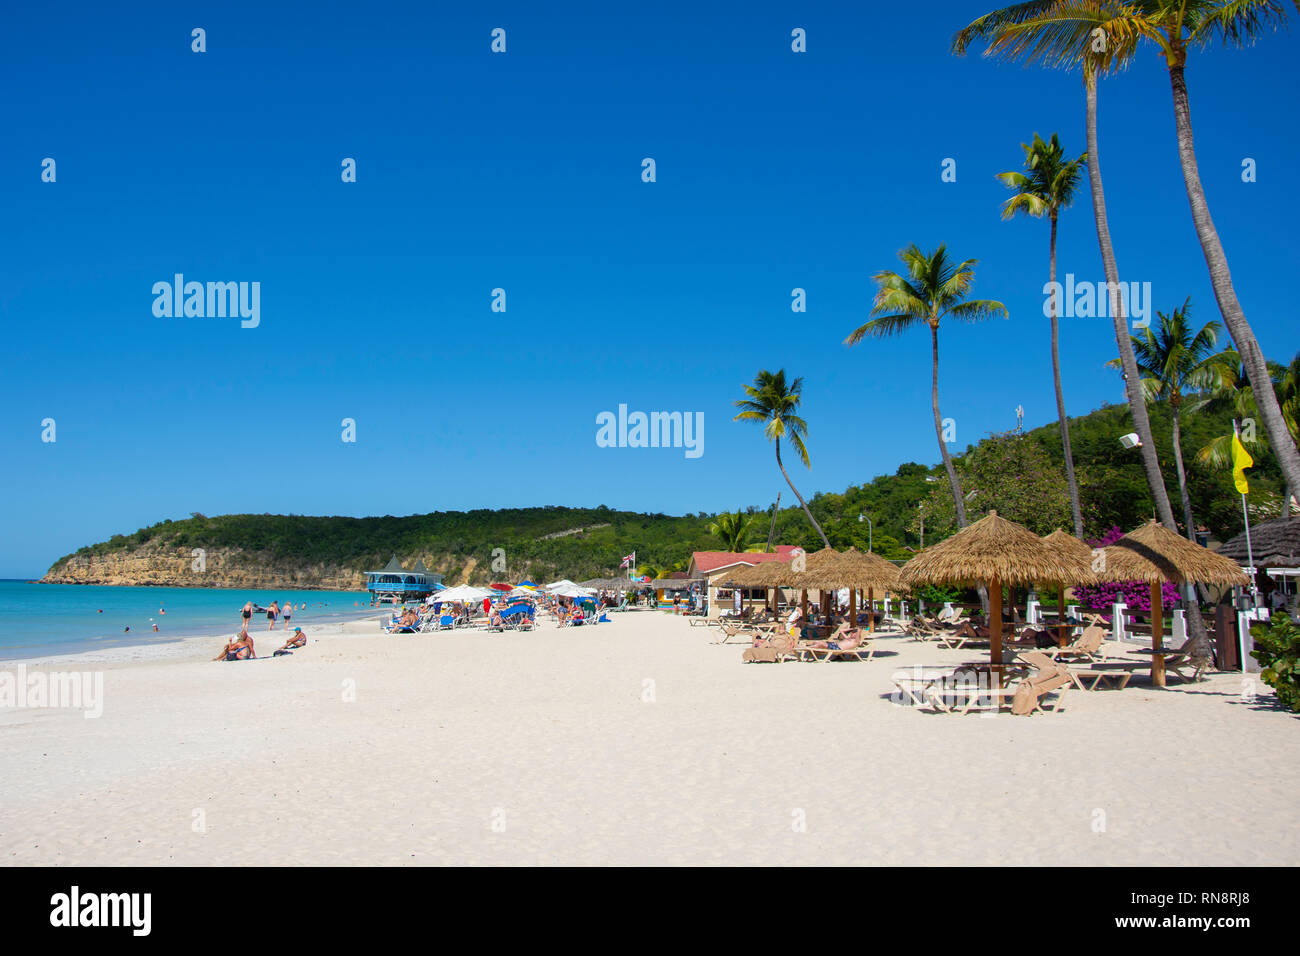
<point x="1277" y="648"/>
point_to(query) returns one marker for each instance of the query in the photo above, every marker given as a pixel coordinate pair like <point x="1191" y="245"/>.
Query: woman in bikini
<point x="287" y="613"/>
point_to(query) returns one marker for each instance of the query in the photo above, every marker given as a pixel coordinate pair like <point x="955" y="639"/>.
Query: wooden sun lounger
<point x="1089" y="679"/>
<point x="866" y="647"/>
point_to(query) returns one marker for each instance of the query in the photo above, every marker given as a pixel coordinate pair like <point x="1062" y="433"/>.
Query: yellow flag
<point x="1241" y="460"/>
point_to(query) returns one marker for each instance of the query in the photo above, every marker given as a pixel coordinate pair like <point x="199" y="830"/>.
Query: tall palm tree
<point x="774" y="403"/>
<point x="1175" y="27"/>
<point x="1031" y="32"/>
<point x="1045" y="188"/>
<point x="732" y="529"/>
<point x="933" y="288"/>
<point x="1174" y="359"/>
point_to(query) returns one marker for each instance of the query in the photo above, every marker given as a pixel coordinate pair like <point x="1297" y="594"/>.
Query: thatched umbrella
<point x="993" y="551"/>
<point x="1154" y="554"/>
<point x="752" y="576"/>
<point x="829" y="571"/>
<point x="1076" y="551"/>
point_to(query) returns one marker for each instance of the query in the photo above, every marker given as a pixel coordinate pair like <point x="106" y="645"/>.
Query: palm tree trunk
<point x="1060" y="395"/>
<point x="1252" y="357"/>
<point x="804" y="504"/>
<point x="1132" y="382"/>
<point x="771" y="529"/>
<point x="953" y="483"/>
<point x="1182" y="474"/>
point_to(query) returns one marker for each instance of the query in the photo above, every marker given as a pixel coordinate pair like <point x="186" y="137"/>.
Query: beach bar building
<point x="718" y="567"/>
<point x="394" y="583"/>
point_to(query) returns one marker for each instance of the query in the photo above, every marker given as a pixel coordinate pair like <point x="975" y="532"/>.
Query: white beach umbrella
<point x="562" y="583"/>
<point x="573" y="591"/>
<point x="463" y="592"/>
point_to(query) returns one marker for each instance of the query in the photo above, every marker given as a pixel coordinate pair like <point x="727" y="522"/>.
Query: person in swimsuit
<point x="848" y="642"/>
<point x="240" y="649"/>
<point x="247" y="614"/>
<point x="296" y="639"/>
<point x="271" y="612"/>
<point x="287" y="613"/>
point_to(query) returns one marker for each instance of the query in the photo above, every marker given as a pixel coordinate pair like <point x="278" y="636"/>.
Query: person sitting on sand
<point x="240" y="649"/>
<point x="296" y="639"/>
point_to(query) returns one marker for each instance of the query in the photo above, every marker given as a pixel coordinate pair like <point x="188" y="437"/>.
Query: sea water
<point x="37" y="620"/>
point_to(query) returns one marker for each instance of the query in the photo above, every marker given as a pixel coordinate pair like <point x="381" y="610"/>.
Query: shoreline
<point x="180" y="646"/>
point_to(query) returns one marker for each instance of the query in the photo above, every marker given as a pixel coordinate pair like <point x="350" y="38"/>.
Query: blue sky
<point x="522" y="171"/>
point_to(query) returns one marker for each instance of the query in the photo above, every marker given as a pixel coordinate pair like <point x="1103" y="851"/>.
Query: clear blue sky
<point x="775" y="170"/>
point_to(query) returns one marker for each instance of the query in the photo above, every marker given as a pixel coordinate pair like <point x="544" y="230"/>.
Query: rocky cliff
<point x="181" y="567"/>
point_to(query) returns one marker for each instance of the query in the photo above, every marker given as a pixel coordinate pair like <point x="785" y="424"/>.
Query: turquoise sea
<point x="42" y="619"/>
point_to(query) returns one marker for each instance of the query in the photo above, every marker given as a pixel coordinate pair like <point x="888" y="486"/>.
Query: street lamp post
<point x="862" y="518"/>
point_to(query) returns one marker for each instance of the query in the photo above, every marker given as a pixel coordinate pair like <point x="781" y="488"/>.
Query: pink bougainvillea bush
<point x="1136" y="594"/>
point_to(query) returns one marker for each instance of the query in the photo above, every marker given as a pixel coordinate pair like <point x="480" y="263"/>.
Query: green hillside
<point x="1020" y="475"/>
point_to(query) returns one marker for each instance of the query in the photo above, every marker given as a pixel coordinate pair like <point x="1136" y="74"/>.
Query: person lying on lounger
<point x="847" y="642"/>
<point x="240" y="649"/>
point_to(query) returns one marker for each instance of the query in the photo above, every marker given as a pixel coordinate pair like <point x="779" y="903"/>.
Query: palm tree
<point x="775" y="403"/>
<point x="1173" y="359"/>
<point x="1032" y="32"/>
<point x="1175" y="27"/>
<point x="933" y="288"/>
<point x="1235" y="391"/>
<point x="732" y="529"/>
<point x="1047" y="187"/>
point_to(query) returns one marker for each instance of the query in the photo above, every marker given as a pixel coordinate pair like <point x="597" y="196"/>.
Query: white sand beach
<point x="634" y="742"/>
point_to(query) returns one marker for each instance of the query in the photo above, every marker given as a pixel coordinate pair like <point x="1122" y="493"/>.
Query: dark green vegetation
<point x="1277" y="648"/>
<point x="1022" y="476"/>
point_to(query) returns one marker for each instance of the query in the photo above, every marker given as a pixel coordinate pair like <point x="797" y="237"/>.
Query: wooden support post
<point x="871" y="609"/>
<point x="995" y="630"/>
<point x="1157" y="636"/>
<point x="1062" y="631"/>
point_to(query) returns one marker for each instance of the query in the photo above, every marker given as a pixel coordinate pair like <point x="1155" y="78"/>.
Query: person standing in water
<point x="271" y="612"/>
<point x="287" y="613"/>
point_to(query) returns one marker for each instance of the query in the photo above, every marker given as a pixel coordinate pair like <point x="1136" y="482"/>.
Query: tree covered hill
<point x="1022" y="475"/>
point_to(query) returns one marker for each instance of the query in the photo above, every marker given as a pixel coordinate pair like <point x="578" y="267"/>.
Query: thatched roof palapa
<point x="830" y="571"/>
<point x="995" y="549"/>
<point x="1273" y="544"/>
<point x="1069" y="545"/>
<point x="673" y="584"/>
<point x="608" y="584"/>
<point x="1153" y="553"/>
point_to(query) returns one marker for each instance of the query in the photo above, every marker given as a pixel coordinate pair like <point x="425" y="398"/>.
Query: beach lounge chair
<point x="727" y="630"/>
<point x="1087" y="646"/>
<point x="772" y="650"/>
<point x="1186" y="659"/>
<point x="1050" y="676"/>
<point x="864" y="646"/>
